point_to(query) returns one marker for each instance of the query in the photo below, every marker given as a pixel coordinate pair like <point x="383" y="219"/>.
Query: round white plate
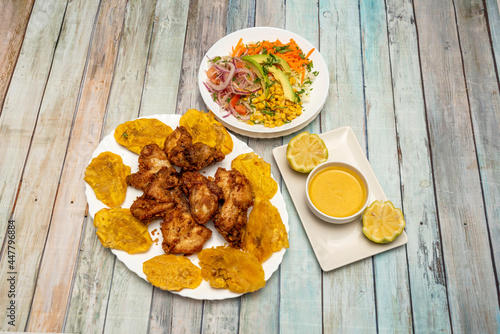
<point x="311" y="107"/>
<point x="134" y="262"/>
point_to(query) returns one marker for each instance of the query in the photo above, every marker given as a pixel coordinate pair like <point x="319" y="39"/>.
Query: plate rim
<point x="263" y="132"/>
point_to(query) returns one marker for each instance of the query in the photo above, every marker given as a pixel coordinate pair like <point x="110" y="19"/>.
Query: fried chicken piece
<point x="147" y="209"/>
<point x="160" y="187"/>
<point x="182" y="152"/>
<point x="237" y="195"/>
<point x="203" y="195"/>
<point x="151" y="160"/>
<point x="181" y="234"/>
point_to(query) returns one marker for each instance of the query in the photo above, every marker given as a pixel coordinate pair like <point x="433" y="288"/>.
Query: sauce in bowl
<point x="337" y="191"/>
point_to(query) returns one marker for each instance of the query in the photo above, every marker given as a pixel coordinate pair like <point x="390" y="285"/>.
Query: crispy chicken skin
<point x="182" y="152"/>
<point x="237" y="195"/>
<point x="151" y="160"/>
<point x="181" y="234"/>
<point x="203" y="195"/>
<point x="160" y="187"/>
<point x="147" y="209"/>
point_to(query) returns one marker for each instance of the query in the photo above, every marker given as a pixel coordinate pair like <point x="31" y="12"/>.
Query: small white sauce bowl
<point x="332" y="219"/>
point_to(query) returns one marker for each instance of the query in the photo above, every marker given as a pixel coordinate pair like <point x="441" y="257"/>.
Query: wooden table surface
<point x="417" y="81"/>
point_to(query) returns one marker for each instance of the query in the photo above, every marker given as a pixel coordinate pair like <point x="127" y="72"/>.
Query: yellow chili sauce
<point x="337" y="191"/>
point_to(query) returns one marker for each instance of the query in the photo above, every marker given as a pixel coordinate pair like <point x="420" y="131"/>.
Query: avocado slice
<point x="267" y="58"/>
<point x="285" y="83"/>
<point x="257" y="69"/>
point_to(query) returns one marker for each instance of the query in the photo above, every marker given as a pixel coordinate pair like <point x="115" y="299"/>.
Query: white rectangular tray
<point x="335" y="245"/>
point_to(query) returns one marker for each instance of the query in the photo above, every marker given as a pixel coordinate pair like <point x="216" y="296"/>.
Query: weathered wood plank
<point x="17" y="123"/>
<point x="390" y="268"/>
<point x="484" y="101"/>
<point x="59" y="255"/>
<point x="14" y="19"/>
<point x="425" y="258"/>
<point x="467" y="255"/>
<point x="493" y="14"/>
<point x="300" y="301"/>
<point x="163" y="73"/>
<point x="97" y="299"/>
<point x="22" y="102"/>
<point x="348" y="292"/>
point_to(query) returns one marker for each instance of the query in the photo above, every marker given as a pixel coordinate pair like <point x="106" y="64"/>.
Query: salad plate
<point x="336" y="245"/>
<point x="311" y="107"/>
<point x="134" y="262"/>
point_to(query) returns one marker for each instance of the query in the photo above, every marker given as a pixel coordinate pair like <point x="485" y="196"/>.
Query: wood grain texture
<point x="484" y="100"/>
<point x="14" y="19"/>
<point x="22" y="102"/>
<point x="467" y="255"/>
<point x="95" y="303"/>
<point x="390" y="268"/>
<point x="424" y="252"/>
<point x="493" y="15"/>
<point x="166" y="53"/>
<point x="59" y="256"/>
<point x="24" y="98"/>
<point x="300" y="307"/>
<point x="348" y="292"/>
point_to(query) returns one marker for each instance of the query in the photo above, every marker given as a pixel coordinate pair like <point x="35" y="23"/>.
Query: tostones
<point x="136" y="134"/>
<point x="232" y="269"/>
<point x="172" y="272"/>
<point x="264" y="232"/>
<point x="258" y="172"/>
<point x="118" y="229"/>
<point x="107" y="174"/>
<point x="204" y="128"/>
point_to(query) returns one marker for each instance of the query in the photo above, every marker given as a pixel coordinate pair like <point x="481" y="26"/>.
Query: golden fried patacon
<point x="118" y="229"/>
<point x="172" y="272"/>
<point x="258" y="172"/>
<point x="136" y="134"/>
<point x="264" y="232"/>
<point x="204" y="128"/>
<point x="106" y="174"/>
<point x="229" y="268"/>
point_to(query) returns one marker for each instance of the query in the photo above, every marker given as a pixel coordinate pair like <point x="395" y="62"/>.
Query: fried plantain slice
<point x="204" y="128"/>
<point x="172" y="272"/>
<point x="232" y="269"/>
<point x="118" y="229"/>
<point x="107" y="174"/>
<point x="136" y="134"/>
<point x="264" y="232"/>
<point x="258" y="172"/>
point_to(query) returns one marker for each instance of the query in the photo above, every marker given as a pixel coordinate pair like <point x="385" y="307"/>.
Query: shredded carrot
<point x="290" y="52"/>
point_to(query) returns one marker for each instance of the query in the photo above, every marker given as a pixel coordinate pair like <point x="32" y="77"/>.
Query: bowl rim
<point x="332" y="219"/>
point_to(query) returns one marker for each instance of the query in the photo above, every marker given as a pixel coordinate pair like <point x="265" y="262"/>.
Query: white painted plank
<point x="390" y="268"/>
<point x="58" y="263"/>
<point x="17" y="123"/>
<point x="101" y="293"/>
<point x="467" y="256"/>
<point x="484" y="100"/>
<point x="348" y="292"/>
<point x="425" y="258"/>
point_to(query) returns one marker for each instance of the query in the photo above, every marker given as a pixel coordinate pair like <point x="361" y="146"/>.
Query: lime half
<point x="382" y="222"/>
<point x="305" y="151"/>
